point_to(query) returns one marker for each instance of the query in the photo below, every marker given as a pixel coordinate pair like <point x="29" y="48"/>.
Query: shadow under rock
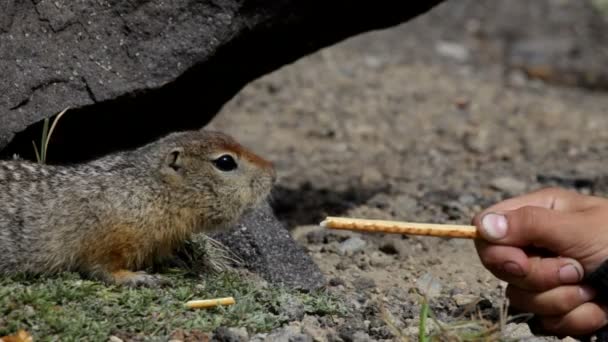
<point x="309" y="205"/>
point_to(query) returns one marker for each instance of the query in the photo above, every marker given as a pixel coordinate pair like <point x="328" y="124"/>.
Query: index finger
<point x="550" y="198"/>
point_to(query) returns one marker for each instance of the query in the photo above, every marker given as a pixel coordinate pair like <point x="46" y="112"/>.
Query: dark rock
<point x="267" y="249"/>
<point x="137" y="70"/>
<point x="223" y="334"/>
<point x="291" y="307"/>
<point x="351" y="329"/>
<point x="317" y="237"/>
<point x="335" y="281"/>
<point x="289" y="333"/>
<point x="364" y="283"/>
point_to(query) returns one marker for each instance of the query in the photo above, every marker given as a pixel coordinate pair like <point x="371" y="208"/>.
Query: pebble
<point x="371" y="177"/>
<point x="342" y="265"/>
<point x="351" y="246"/>
<point x="379" y="259"/>
<point x="452" y="50"/>
<point x="467" y="199"/>
<point x="462" y="299"/>
<point x="479" y="142"/>
<point x="508" y="185"/>
<point x="404" y="204"/>
<point x="363" y="262"/>
<point x="429" y="285"/>
<point x="223" y="334"/>
<point x="261" y="337"/>
<point x="363" y="283"/>
<point x="380" y="201"/>
<point x="291" y="308"/>
<point x="29" y="311"/>
<point x="361" y="336"/>
<point x="312" y="327"/>
<point x="569" y="339"/>
<point x="520" y="331"/>
<point x="335" y="281"/>
<point x="372" y="61"/>
<point x="291" y="333"/>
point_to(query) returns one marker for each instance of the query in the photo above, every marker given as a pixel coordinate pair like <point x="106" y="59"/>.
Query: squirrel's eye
<point x="225" y="163"/>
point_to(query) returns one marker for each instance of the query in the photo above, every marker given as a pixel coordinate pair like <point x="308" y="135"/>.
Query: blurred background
<point x="471" y="102"/>
<point x="431" y="121"/>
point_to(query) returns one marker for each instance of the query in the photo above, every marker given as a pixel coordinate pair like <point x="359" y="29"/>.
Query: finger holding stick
<point x="398" y="227"/>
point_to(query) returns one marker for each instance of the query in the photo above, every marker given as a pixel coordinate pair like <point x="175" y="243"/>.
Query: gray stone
<point x="223" y="334"/>
<point x="267" y="248"/>
<point x="142" y="69"/>
<point x="519" y="331"/>
<point x="312" y="327"/>
<point x="291" y="307"/>
<point x="351" y="246"/>
<point x="462" y="299"/>
<point x="361" y="336"/>
<point x="364" y="283"/>
<point x="452" y="50"/>
<point x="508" y="185"/>
<point x="429" y="285"/>
<point x="258" y="337"/>
<point x="379" y="259"/>
<point x="290" y="333"/>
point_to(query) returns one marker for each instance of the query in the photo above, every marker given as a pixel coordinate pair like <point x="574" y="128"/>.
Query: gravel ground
<point x="430" y="121"/>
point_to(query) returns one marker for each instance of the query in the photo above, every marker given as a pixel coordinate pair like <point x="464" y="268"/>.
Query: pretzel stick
<point x="441" y="230"/>
<point x="209" y="303"/>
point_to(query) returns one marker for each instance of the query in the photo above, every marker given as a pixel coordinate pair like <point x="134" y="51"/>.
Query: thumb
<point x="530" y="226"/>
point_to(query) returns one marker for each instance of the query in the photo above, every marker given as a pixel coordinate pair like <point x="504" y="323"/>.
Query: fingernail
<point x="569" y="274"/>
<point x="587" y="293"/>
<point x="513" y="269"/>
<point x="494" y="225"/>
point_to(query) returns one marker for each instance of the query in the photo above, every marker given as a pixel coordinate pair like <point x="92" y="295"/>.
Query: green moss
<point x="68" y="308"/>
<point x="601" y="6"/>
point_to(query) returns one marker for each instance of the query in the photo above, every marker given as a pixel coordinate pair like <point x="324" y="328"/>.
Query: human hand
<point x="517" y="236"/>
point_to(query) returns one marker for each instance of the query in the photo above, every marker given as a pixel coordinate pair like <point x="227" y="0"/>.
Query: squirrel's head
<point x="211" y="171"/>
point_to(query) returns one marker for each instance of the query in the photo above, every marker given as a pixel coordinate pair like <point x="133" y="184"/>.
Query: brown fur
<point x="117" y="214"/>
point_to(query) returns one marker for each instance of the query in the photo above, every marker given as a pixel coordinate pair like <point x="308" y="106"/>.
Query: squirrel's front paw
<point x="141" y="278"/>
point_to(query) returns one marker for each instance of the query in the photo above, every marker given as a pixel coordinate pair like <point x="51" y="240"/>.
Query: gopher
<point x="109" y="218"/>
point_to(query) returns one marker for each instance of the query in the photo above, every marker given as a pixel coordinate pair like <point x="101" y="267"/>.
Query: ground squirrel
<point x="113" y="216"/>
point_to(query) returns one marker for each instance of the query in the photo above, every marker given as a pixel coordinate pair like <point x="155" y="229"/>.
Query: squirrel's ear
<point x="174" y="160"/>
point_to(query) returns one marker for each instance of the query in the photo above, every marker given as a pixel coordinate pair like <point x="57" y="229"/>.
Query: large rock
<point x="136" y="69"/>
<point x="267" y="248"/>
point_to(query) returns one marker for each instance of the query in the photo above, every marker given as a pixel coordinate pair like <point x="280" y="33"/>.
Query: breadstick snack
<point x="398" y="227"/>
<point x="209" y="303"/>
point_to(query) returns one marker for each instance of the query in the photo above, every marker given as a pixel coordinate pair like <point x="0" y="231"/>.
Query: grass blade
<point x="45" y="130"/>
<point x="50" y="131"/>
<point x="424" y="313"/>
<point x="37" y="153"/>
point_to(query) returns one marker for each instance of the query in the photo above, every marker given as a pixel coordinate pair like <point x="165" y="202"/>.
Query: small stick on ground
<point x="209" y="303"/>
<point x="397" y="227"/>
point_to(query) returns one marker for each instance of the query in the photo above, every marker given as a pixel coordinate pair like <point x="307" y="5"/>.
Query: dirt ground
<point x="430" y="121"/>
